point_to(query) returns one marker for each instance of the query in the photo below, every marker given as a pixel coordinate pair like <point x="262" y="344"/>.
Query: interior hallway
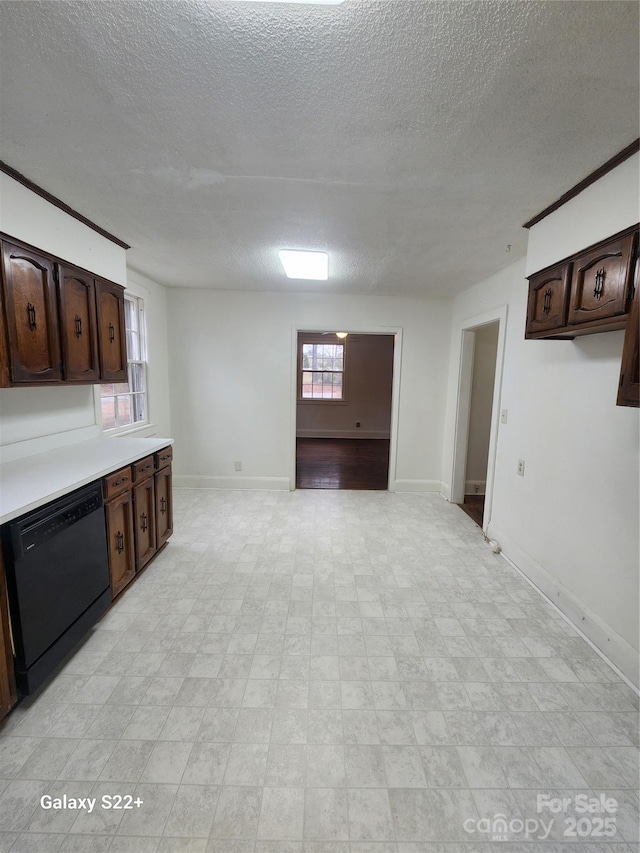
<point x="307" y="671"/>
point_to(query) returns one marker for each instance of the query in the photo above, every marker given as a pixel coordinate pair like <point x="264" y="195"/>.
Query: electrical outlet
<point x="238" y="466"/>
<point x="357" y="424"/>
<point x="521" y="467"/>
<point x="504" y="415"/>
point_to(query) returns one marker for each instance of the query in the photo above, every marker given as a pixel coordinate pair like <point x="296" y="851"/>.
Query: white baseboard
<point x="614" y="648"/>
<point x="203" y="481"/>
<point x="475" y="487"/>
<point x="417" y="486"/>
<point x="341" y="433"/>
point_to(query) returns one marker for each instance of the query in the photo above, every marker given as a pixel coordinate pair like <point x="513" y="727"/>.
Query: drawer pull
<point x="112" y="333"/>
<point x="78" y="321"/>
<point x="163" y="505"/>
<point x="31" y="314"/>
<point x="121" y="481"/>
<point x="144" y="468"/>
<point x="547" y="300"/>
<point x="144" y="522"/>
<point x="168" y="456"/>
<point x="599" y="285"/>
<point x="119" y="542"/>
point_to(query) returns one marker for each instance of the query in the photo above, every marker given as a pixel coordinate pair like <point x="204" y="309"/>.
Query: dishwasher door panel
<point x="56" y="584"/>
<point x="57" y="574"/>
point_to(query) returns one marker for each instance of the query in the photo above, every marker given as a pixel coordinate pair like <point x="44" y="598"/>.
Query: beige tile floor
<point x="324" y="672"/>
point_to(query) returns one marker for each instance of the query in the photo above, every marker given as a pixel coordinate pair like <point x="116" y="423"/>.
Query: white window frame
<point x="317" y="338"/>
<point x="138" y="303"/>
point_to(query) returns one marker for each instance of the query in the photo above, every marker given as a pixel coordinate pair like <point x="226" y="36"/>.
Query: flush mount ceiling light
<point x="341" y="335"/>
<point x="302" y="264"/>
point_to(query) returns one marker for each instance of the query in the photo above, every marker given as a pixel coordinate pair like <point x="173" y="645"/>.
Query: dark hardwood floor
<point x="342" y="463"/>
<point x="474" y="507"/>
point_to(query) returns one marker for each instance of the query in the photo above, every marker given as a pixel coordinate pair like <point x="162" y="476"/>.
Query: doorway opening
<point x="344" y="401"/>
<point x="485" y="351"/>
<point x="478" y="406"/>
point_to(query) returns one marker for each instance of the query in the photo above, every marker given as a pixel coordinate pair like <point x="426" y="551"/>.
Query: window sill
<point x="127" y="430"/>
<point x="325" y="402"/>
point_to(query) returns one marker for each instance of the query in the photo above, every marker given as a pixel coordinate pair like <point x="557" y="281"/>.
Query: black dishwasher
<point x="58" y="580"/>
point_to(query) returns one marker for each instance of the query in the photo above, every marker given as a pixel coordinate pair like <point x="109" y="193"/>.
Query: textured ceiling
<point x="408" y="138"/>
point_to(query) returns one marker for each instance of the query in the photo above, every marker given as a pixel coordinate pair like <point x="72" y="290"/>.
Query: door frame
<point x="467" y="330"/>
<point x="396" y="331"/>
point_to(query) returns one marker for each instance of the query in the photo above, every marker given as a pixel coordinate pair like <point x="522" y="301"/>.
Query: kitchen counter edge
<point x="33" y="481"/>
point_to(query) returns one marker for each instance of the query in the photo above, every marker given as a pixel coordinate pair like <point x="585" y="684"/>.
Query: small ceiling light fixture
<point x="341" y="335"/>
<point x="299" y="263"/>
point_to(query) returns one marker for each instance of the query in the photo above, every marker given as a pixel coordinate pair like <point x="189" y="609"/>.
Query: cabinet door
<point x="600" y="282"/>
<point x="111" y="332"/>
<point x="164" y="505"/>
<point x="122" y="564"/>
<point x="78" y="325"/>
<point x="629" y="388"/>
<point x="7" y="681"/>
<point x="144" y="505"/>
<point x="31" y="315"/>
<point x="548" y="298"/>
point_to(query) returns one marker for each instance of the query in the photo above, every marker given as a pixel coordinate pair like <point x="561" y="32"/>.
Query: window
<point x="125" y="403"/>
<point x="321" y="370"/>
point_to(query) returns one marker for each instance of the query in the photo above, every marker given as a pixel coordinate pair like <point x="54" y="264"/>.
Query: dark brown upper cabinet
<point x="78" y="325"/>
<point x="548" y="301"/>
<point x="600" y="282"/>
<point x="58" y="324"/>
<point x="586" y="293"/>
<point x="629" y="387"/>
<point x="111" y="331"/>
<point x="31" y="346"/>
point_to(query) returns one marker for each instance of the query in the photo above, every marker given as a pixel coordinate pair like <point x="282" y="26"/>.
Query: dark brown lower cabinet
<point x="139" y="509"/>
<point x="8" y="696"/>
<point x="122" y="560"/>
<point x="144" y="508"/>
<point x="164" y="506"/>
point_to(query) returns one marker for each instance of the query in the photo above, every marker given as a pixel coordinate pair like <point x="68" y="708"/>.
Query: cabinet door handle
<point x="598" y="289"/>
<point x="163" y="505"/>
<point x="144" y="522"/>
<point x="121" y="481"/>
<point x="112" y="333"/>
<point x="547" y="300"/>
<point x="78" y="321"/>
<point x="119" y="542"/>
<point x="31" y="314"/>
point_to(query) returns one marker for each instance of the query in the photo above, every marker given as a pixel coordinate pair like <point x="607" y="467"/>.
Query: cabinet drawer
<point x="143" y="468"/>
<point x="117" y="482"/>
<point x="164" y="457"/>
<point x="600" y="282"/>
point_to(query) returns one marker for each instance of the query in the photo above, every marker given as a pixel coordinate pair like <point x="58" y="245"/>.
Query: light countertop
<point x="29" y="483"/>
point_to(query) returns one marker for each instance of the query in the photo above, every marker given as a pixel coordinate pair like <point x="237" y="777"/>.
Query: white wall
<point x="367" y="381"/>
<point x="33" y="420"/>
<point x="233" y="385"/>
<point x="571" y="523"/>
